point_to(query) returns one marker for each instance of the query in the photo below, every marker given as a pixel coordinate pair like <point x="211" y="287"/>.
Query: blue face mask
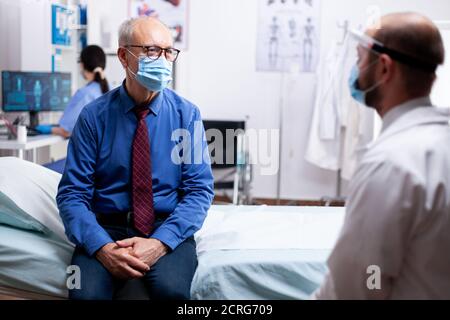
<point x="154" y="75"/>
<point x="358" y="94"/>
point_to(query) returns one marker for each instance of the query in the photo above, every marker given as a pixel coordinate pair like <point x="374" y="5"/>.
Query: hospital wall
<point x="225" y="84"/>
<point x="218" y="72"/>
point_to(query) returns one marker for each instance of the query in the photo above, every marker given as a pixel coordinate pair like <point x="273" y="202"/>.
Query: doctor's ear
<point x="388" y="67"/>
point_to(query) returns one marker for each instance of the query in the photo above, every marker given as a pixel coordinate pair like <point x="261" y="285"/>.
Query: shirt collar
<point x="397" y="112"/>
<point x="129" y="104"/>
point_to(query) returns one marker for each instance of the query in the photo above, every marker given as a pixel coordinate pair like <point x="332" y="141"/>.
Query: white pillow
<point x="28" y="197"/>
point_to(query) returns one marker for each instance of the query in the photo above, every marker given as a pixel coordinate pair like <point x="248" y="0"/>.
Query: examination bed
<point x="243" y="252"/>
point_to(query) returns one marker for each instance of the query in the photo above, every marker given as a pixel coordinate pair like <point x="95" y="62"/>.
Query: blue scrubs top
<point x="82" y="97"/>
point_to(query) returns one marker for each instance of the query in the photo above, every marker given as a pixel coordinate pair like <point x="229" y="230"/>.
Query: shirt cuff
<point x="167" y="237"/>
<point x="65" y="127"/>
<point x="96" y="241"/>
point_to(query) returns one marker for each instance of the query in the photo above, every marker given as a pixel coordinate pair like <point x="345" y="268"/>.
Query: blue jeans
<point x="169" y="279"/>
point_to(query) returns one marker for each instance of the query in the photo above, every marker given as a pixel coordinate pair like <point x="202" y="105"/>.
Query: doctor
<point x="395" y="241"/>
<point x="92" y="63"/>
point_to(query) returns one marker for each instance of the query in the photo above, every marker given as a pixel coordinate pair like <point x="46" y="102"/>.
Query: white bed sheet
<point x="264" y="252"/>
<point x="265" y="227"/>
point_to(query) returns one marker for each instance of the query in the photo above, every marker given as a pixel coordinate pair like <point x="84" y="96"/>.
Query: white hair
<point x="126" y="31"/>
<point x="127" y="28"/>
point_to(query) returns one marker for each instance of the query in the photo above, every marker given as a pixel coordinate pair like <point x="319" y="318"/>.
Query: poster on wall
<point x="61" y="21"/>
<point x="174" y="13"/>
<point x="288" y="36"/>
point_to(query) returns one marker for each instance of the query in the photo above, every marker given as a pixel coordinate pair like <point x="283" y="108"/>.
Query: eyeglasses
<point x="155" y="52"/>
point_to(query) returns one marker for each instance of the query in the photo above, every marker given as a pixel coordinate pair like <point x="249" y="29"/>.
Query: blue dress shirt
<point x="81" y="98"/>
<point x="97" y="176"/>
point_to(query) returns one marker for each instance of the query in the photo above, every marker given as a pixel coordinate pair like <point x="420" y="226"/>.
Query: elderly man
<point x="395" y="241"/>
<point x="131" y="198"/>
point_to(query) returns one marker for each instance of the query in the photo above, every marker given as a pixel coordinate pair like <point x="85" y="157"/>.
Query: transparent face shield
<point x="363" y="45"/>
<point x="363" y="58"/>
<point x="364" y="40"/>
<point x="366" y="44"/>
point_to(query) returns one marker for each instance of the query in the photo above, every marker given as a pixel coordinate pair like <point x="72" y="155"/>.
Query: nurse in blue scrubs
<point x="92" y="62"/>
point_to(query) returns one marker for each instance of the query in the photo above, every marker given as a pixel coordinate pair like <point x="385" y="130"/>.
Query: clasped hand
<point x="131" y="258"/>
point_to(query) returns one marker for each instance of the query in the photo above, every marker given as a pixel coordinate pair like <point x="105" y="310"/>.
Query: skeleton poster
<point x="288" y="36"/>
<point x="174" y="13"/>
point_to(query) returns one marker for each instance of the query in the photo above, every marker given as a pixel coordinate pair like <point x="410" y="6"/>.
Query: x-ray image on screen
<point x="35" y="91"/>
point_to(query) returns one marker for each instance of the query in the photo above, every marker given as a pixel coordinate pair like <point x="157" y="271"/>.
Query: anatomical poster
<point x="288" y="36"/>
<point x="174" y="13"/>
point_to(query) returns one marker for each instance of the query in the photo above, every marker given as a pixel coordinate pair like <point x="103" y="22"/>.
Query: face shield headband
<point x="377" y="47"/>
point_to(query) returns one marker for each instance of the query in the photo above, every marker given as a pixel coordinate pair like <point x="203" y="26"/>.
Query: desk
<point x="33" y="143"/>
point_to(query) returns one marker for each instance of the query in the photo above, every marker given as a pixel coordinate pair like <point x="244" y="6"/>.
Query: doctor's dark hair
<point x="418" y="37"/>
<point x="94" y="60"/>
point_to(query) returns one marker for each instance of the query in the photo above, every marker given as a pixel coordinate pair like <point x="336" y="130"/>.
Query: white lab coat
<point x="398" y="214"/>
<point x="340" y="126"/>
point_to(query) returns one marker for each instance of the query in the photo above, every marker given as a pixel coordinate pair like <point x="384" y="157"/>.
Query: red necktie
<point x="144" y="215"/>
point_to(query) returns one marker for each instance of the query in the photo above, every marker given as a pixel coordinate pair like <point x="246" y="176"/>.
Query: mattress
<point x="259" y="274"/>
<point x="243" y="253"/>
<point x="264" y="252"/>
<point x="33" y="266"/>
<point x="33" y="262"/>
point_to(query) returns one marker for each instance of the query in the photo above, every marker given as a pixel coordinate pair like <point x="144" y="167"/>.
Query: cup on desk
<point x="21" y="134"/>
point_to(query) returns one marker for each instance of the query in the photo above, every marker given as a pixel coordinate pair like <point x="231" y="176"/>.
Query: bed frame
<point x="7" y="293"/>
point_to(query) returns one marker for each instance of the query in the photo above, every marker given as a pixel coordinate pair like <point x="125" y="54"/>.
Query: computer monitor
<point x="229" y="147"/>
<point x="35" y="91"/>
